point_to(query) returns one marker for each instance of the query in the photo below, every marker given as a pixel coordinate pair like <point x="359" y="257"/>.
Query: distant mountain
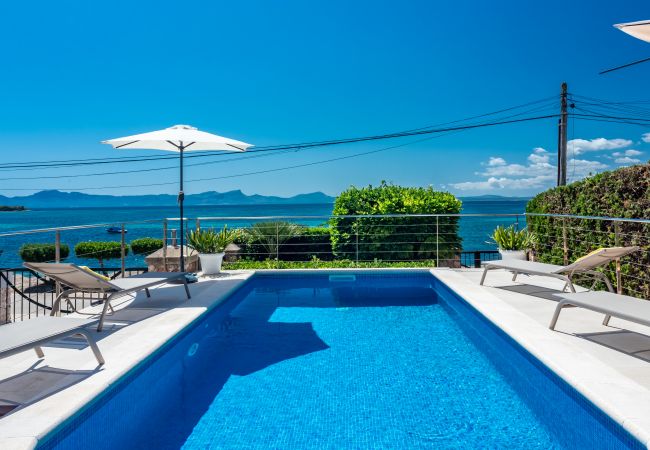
<point x="58" y="199"/>
<point x="494" y="198"/>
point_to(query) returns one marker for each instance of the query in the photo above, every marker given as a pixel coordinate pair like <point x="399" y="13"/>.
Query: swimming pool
<point x="369" y="360"/>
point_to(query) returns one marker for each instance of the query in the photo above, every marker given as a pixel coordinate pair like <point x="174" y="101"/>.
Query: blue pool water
<point x="298" y="361"/>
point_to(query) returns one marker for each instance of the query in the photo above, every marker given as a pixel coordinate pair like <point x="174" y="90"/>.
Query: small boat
<point x="115" y="230"/>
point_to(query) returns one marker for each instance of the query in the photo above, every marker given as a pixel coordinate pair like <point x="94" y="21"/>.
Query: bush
<point x="620" y="193"/>
<point x="394" y="238"/>
<point x="307" y="243"/>
<point x="146" y="246"/>
<point x="42" y="252"/>
<point x="316" y="263"/>
<point x="100" y="250"/>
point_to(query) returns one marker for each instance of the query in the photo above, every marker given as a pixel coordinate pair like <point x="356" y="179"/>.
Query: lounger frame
<point x="108" y="290"/>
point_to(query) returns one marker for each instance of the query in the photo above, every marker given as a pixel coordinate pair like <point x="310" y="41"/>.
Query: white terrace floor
<point x="610" y="365"/>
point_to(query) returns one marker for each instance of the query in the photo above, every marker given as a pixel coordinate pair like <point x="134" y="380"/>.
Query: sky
<point x="272" y="73"/>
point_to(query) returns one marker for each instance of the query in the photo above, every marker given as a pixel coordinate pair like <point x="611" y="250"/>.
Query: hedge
<point x="146" y="246"/>
<point x="100" y="250"/>
<point x="394" y="238"/>
<point x="308" y="243"/>
<point x="42" y="252"/>
<point x="620" y="193"/>
<point x="315" y="263"/>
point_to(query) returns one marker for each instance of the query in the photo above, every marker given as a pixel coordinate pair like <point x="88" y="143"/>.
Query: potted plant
<point x="211" y="246"/>
<point x="512" y="243"/>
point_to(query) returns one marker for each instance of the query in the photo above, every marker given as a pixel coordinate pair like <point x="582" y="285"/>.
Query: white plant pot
<point x="513" y="254"/>
<point x="211" y="263"/>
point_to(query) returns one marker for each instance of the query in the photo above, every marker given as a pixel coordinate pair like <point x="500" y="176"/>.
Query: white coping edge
<point x="581" y="371"/>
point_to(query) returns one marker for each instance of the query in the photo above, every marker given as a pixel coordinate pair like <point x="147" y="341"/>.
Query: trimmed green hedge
<point x="42" y="252"/>
<point x="318" y="264"/>
<point x="394" y="238"/>
<point x="310" y="242"/>
<point x="99" y="250"/>
<point x="619" y="193"/>
<point x="146" y="246"/>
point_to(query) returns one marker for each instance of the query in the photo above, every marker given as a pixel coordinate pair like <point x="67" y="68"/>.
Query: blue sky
<point x="267" y="73"/>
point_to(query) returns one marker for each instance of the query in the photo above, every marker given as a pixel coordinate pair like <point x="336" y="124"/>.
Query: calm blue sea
<point x="474" y="230"/>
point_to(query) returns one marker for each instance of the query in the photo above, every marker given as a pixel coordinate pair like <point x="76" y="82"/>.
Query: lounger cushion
<point x="616" y="305"/>
<point x="20" y="334"/>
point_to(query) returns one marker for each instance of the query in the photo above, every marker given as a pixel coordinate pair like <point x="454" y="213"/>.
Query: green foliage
<point x="100" y="250"/>
<point x="394" y="238"/>
<point x="145" y="246"/>
<point x="620" y="193"/>
<point x="316" y="263"/>
<point x="509" y="238"/>
<point x="42" y="252"/>
<point x="207" y="240"/>
<point x="270" y="236"/>
<point x="312" y="241"/>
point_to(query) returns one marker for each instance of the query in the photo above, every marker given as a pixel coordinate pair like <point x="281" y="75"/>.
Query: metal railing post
<point x="565" y="246"/>
<point x="57" y="256"/>
<point x="277" y="241"/>
<point x="619" y="284"/>
<point x="356" y="232"/>
<point x="165" y="245"/>
<point x="123" y="251"/>
<point x="437" y="241"/>
<point x="198" y="224"/>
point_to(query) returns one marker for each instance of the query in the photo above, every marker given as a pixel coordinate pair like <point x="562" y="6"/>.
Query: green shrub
<point x="316" y="263"/>
<point x="311" y="242"/>
<point x="509" y="238"/>
<point x="394" y="238"/>
<point x="619" y="193"/>
<point x="42" y="252"/>
<point x="100" y="250"/>
<point x="146" y="246"/>
<point x="270" y="236"/>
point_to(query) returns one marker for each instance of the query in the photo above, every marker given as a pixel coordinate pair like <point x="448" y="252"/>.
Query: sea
<point x="474" y="230"/>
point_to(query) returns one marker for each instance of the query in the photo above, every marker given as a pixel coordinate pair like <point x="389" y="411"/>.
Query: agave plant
<point x="271" y="235"/>
<point x="509" y="238"/>
<point x="208" y="240"/>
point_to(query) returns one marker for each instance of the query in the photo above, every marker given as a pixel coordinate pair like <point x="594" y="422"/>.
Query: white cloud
<point x="496" y="161"/>
<point x="646" y="137"/>
<point x="538" y="173"/>
<point x="580" y="146"/>
<point x="627" y="160"/>
<point x="630" y="152"/>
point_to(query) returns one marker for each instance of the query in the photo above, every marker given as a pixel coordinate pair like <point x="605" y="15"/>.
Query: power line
<point x="115" y="160"/>
<point x="413" y="133"/>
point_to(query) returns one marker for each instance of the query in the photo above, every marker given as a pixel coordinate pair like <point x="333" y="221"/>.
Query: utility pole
<point x="562" y="138"/>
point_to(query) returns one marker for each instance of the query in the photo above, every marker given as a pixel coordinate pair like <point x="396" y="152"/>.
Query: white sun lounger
<point x="608" y="303"/>
<point x="582" y="266"/>
<point x="33" y="333"/>
<point x="79" y="280"/>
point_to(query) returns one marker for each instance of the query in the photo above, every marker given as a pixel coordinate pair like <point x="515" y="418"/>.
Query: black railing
<point x="25" y="294"/>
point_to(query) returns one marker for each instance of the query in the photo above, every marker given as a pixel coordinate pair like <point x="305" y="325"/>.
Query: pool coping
<point x="581" y="371"/>
<point x="576" y="368"/>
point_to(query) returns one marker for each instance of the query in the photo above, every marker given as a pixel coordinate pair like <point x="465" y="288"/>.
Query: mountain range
<point x="59" y="199"/>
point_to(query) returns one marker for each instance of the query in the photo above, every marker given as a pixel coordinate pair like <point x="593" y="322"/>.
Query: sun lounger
<point x="608" y="303"/>
<point x="33" y="333"/>
<point x="78" y="280"/>
<point x="582" y="266"/>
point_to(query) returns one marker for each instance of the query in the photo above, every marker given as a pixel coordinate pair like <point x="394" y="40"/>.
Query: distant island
<point x="494" y="198"/>
<point x="12" y="208"/>
<point x="59" y="199"/>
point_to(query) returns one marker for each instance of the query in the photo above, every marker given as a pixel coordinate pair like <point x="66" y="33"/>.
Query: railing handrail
<point x="316" y="217"/>
<point x="76" y="227"/>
